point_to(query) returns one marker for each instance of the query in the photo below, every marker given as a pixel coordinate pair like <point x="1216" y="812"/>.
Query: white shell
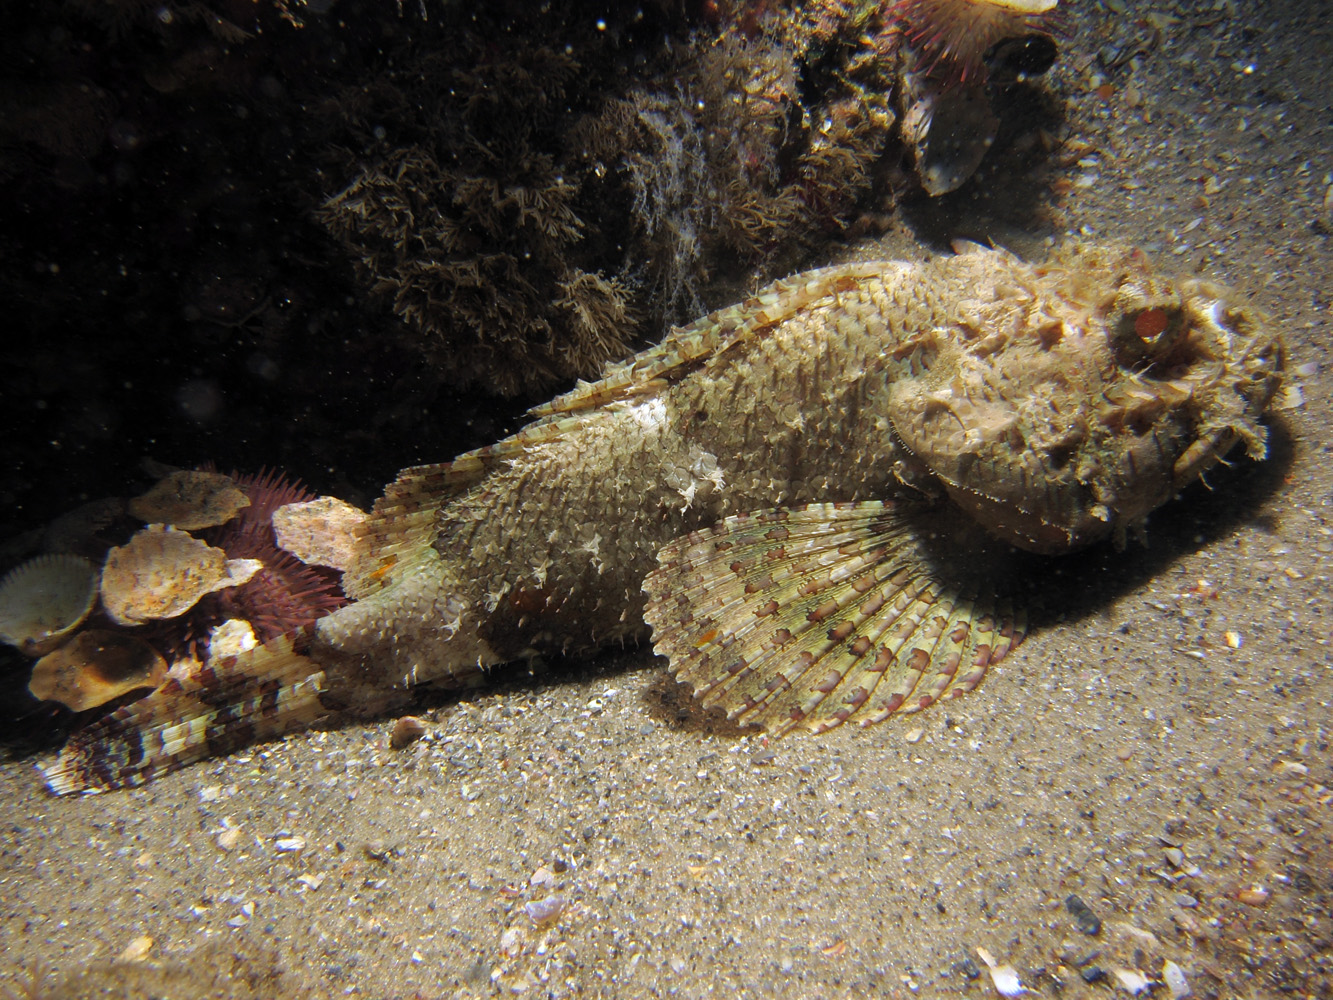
<point x="1005" y="977"/>
<point x="44" y="600"/>
<point x="1025" y="6"/>
<point x="1132" y="981"/>
<point x="1174" y="977"/>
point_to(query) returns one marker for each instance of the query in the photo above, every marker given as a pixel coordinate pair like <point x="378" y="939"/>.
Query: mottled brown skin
<point x="1008" y="381"/>
<point x="1052" y="405"/>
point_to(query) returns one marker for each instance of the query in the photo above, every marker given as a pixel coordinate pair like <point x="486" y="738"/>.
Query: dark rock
<point x="1084" y="918"/>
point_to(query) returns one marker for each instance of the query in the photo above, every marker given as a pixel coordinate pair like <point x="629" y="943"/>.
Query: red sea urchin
<point x="281" y="597"/>
<point x="286" y="594"/>
<point x="953" y="36"/>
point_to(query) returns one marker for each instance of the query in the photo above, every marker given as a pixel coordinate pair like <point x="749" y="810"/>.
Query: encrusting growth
<point x="809" y="498"/>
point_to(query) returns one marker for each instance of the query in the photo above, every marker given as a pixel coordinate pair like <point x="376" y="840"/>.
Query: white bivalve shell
<point x="44" y="600"/>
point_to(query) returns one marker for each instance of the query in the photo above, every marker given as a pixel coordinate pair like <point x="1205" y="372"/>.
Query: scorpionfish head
<point x="1064" y="403"/>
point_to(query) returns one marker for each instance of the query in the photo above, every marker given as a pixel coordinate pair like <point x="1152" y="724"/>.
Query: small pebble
<point x="1084" y="918"/>
<point x="289" y="844"/>
<point x="137" y="950"/>
<point x="1174" y="977"/>
<point x="1092" y="974"/>
<point x="511" y="941"/>
<point x="968" y="968"/>
<point x="1253" y="896"/>
<point x="1132" y="981"/>
<point x="541" y="910"/>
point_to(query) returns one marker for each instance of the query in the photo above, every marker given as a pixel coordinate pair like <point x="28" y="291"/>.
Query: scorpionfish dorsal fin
<point x="809" y="617"/>
<point x="688" y="347"/>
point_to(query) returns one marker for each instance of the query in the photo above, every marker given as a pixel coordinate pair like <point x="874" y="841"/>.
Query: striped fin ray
<point x="809" y="617"/>
<point x="258" y="695"/>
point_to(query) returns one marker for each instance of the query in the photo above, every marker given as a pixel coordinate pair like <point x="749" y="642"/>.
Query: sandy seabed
<point x="1158" y="748"/>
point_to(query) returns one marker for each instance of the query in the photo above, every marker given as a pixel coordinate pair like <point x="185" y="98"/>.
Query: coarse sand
<point x="1158" y="748"/>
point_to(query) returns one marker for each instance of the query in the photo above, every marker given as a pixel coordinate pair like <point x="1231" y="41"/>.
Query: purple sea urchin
<point x="953" y="36"/>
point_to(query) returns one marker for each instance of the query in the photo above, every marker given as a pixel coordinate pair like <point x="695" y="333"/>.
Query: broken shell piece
<point x="189" y="500"/>
<point x="96" y="667"/>
<point x="1174" y="977"/>
<point x="1005" y="977"/>
<point x="231" y="638"/>
<point x="406" y="730"/>
<point x="137" y="950"/>
<point x="44" y="600"/>
<point x="319" y="532"/>
<point x="162" y="572"/>
<point x="1132" y="981"/>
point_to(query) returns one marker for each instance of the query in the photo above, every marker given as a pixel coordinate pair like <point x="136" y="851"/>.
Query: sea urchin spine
<point x="953" y="36"/>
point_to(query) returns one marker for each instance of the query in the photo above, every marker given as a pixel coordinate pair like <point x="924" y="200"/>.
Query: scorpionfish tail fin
<point x="258" y="695"/>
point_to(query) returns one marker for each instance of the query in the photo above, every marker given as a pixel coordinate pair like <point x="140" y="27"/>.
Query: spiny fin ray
<point x="402" y="524"/>
<point x="813" y="616"/>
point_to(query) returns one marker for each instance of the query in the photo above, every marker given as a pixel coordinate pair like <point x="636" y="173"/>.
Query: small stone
<point x="1254" y="895"/>
<point x="1186" y="900"/>
<point x="541" y="910"/>
<point x="542" y="876"/>
<point x="1092" y="974"/>
<point x="1174" y="977"/>
<point x="1084" y="918"/>
<point x="286" y="845"/>
<point x="511" y="941"/>
<point x="1132" y="981"/>
<point x="137" y="950"/>
<point x="228" y="839"/>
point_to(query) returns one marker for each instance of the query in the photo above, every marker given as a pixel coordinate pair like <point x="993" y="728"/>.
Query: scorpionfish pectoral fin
<point x="258" y="695"/>
<point x="811" y="616"/>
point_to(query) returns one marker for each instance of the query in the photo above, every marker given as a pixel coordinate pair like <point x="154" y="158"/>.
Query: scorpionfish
<point x="800" y="499"/>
